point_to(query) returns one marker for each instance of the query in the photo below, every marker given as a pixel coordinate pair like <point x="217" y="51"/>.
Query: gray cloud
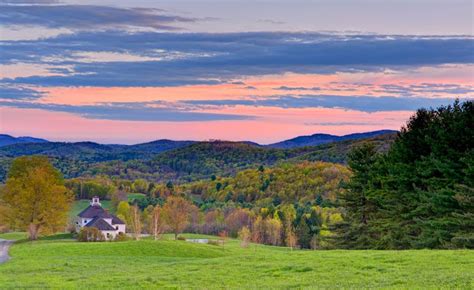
<point x="80" y="17"/>
<point x="364" y="104"/>
<point x="18" y="93"/>
<point x="214" y="58"/>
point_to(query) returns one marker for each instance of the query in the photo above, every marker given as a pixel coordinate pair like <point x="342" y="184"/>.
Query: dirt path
<point x="4" y="246"/>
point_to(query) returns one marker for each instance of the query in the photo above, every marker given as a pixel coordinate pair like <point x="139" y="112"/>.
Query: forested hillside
<point x="318" y="139"/>
<point x="6" y="140"/>
<point x="179" y="161"/>
<point x="205" y="159"/>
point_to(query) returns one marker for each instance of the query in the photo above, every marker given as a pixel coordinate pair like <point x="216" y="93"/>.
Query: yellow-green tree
<point x="123" y="212"/>
<point x="36" y="196"/>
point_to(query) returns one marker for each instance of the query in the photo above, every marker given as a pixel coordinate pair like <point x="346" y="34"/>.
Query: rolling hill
<point x="6" y="140"/>
<point x="318" y="139"/>
<point x="180" y="161"/>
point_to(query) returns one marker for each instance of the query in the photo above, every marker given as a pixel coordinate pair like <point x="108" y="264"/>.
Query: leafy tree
<point x="140" y="186"/>
<point x="35" y="193"/>
<point x="274" y="231"/>
<point x="176" y="214"/>
<point x="123" y="212"/>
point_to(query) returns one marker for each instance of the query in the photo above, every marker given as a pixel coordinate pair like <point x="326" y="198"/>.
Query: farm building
<point x="96" y="216"/>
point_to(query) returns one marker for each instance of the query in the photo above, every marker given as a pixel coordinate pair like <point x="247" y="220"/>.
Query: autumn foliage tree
<point x="35" y="193"/>
<point x="176" y="213"/>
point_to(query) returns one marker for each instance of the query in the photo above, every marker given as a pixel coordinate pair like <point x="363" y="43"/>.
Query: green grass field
<point x="65" y="263"/>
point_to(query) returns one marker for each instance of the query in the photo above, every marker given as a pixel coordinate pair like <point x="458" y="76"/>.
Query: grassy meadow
<point x="61" y="262"/>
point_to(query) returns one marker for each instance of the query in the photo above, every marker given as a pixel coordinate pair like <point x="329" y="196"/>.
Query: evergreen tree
<point x="358" y="201"/>
<point x="303" y="234"/>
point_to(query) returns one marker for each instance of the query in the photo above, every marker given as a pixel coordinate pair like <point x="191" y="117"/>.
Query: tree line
<point x="420" y="194"/>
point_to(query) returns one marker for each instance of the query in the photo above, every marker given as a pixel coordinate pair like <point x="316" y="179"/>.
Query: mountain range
<point x="182" y="161"/>
<point x="165" y="144"/>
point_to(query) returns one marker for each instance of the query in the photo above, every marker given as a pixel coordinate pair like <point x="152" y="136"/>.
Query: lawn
<point x="137" y="196"/>
<point x="13" y="236"/>
<point x="64" y="263"/>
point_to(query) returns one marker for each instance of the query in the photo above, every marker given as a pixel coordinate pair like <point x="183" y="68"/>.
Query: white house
<point x="95" y="216"/>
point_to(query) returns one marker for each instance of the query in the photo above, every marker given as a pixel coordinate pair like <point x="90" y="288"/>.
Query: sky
<point x="135" y="71"/>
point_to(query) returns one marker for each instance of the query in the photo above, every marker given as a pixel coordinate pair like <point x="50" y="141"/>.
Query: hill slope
<point x="6" y="140"/>
<point x="178" y="264"/>
<point x="318" y="139"/>
<point x="204" y="159"/>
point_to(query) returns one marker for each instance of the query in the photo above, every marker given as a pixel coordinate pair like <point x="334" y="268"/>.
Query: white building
<point x="95" y="216"/>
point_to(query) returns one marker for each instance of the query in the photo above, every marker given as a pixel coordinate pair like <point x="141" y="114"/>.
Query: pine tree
<point x="303" y="233"/>
<point x="358" y="201"/>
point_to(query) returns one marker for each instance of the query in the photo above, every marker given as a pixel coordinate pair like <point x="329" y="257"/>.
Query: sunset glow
<point x="137" y="76"/>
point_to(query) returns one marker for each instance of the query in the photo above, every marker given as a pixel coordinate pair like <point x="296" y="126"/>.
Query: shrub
<point x="90" y="235"/>
<point x="121" y="237"/>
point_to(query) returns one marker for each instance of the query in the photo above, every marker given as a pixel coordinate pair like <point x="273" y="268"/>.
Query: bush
<point x="90" y="235"/>
<point x="121" y="237"/>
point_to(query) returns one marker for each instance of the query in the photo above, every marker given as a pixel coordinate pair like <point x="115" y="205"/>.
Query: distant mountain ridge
<point x="179" y="161"/>
<point x="161" y="145"/>
<point x="92" y="151"/>
<point x="319" y="139"/>
<point x="10" y="140"/>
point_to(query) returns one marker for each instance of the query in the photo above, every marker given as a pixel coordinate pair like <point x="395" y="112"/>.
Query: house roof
<point x="117" y="221"/>
<point x="100" y="224"/>
<point x="93" y="211"/>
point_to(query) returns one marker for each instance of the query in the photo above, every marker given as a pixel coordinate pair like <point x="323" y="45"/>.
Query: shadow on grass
<point x="63" y="236"/>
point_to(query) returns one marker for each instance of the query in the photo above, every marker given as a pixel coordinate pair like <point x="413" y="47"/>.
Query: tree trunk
<point x="33" y="231"/>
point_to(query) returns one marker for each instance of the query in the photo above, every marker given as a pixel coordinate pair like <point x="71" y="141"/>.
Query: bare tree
<point x="136" y="221"/>
<point x="157" y="223"/>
